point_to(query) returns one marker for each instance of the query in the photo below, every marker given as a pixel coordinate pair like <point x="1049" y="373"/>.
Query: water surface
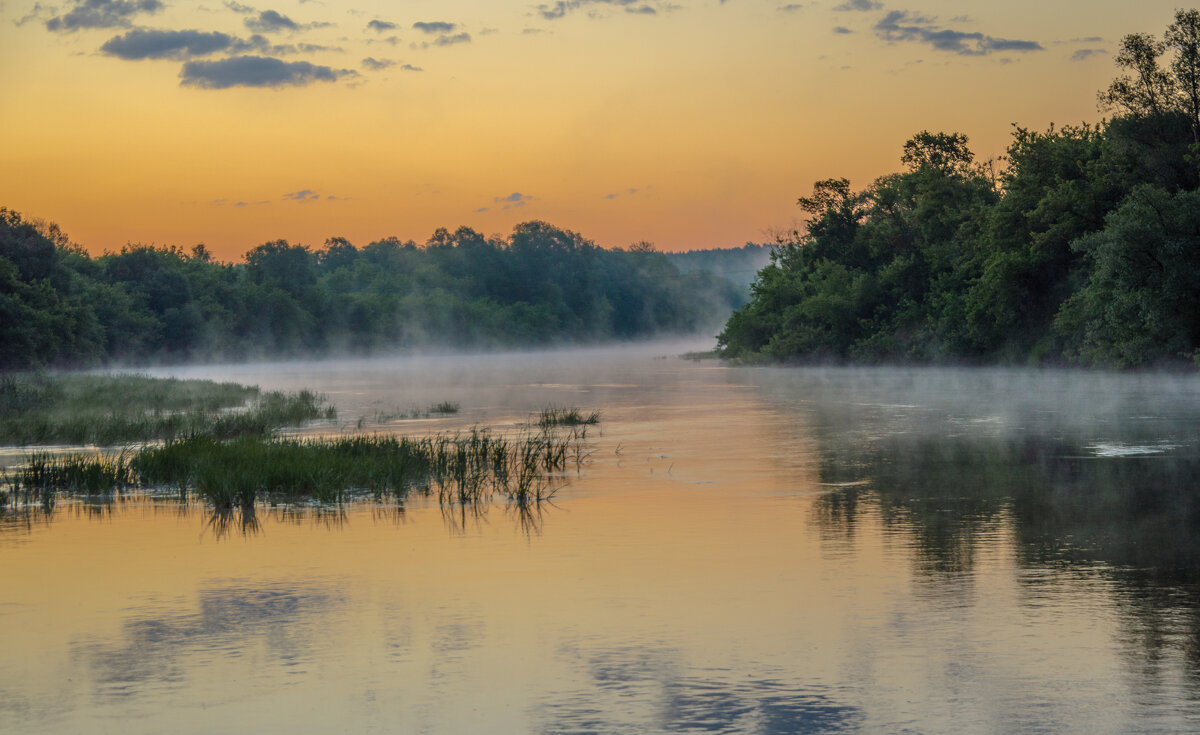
<point x="764" y="550"/>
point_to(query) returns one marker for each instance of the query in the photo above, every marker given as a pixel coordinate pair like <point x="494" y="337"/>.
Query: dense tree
<point x="541" y="286"/>
<point x="1087" y="251"/>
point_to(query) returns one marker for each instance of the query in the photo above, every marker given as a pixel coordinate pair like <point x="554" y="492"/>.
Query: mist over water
<point x="749" y="550"/>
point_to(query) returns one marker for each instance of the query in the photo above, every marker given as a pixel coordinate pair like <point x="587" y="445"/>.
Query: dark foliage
<point x="1084" y="249"/>
<point x="543" y="285"/>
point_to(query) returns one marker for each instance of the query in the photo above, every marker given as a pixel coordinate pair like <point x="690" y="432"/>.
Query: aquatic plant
<point x="117" y="409"/>
<point x="437" y="409"/>
<point x="461" y="468"/>
<point x="554" y="416"/>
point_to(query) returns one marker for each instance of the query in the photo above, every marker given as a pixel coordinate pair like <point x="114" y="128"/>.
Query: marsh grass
<point x="445" y="408"/>
<point x="555" y="416"/>
<point x="107" y="410"/>
<point x="44" y="475"/>
<point x="463" y="468"/>
<point x="235" y="463"/>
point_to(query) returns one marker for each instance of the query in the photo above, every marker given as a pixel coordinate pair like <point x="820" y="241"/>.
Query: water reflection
<point x="229" y="620"/>
<point x="750" y="551"/>
<point x="244" y="520"/>
<point x="635" y="690"/>
<point x="459" y="518"/>
<point x="1114" y="503"/>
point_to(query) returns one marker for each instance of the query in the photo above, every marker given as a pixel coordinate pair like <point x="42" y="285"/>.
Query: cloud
<point x="859" y="6"/>
<point x="256" y="71"/>
<point x="270" y="21"/>
<point x="223" y="202"/>
<point x="239" y="8"/>
<point x="1086" y="53"/>
<point x="304" y="195"/>
<point x="151" y="44"/>
<point x="790" y="8"/>
<point x="561" y="8"/>
<point x="101" y="14"/>
<point x="35" y="13"/>
<point x="512" y="201"/>
<point x="901" y="25"/>
<point x="451" y="40"/>
<point x="445" y="40"/>
<point x="145" y="43"/>
<point x="631" y="191"/>
<point x="433" y="27"/>
<point x="410" y="67"/>
<point x="381" y="26"/>
<point x="377" y="64"/>
<point x="842" y="30"/>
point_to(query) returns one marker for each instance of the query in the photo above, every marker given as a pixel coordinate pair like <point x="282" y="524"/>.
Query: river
<point x="770" y="550"/>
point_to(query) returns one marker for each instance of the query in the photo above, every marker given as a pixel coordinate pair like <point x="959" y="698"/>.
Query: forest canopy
<point x="539" y="286"/>
<point x="1084" y="248"/>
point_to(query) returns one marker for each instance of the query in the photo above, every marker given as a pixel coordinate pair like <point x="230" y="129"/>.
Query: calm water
<point x="749" y="550"/>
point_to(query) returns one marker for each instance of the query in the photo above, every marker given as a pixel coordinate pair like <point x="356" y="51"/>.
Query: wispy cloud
<point x="511" y="201"/>
<point x="842" y="30"/>
<point x="304" y="195"/>
<point x="1086" y="53"/>
<point x="257" y="71"/>
<point x="861" y="6"/>
<point x="902" y="25"/>
<point x="381" y="26"/>
<point x="556" y="10"/>
<point x="790" y="8"/>
<point x="446" y="39"/>
<point x="84" y="14"/>
<point x="434" y="27"/>
<point x="377" y="64"/>
<point x="270" y="21"/>
<point x="151" y="44"/>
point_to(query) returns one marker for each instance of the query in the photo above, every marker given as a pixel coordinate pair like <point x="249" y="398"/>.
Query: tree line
<point x="1083" y="248"/>
<point x="541" y="285"/>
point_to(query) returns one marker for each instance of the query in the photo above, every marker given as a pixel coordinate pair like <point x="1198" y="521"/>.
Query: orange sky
<point x="688" y="124"/>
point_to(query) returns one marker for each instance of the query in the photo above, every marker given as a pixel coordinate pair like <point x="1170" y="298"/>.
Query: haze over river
<point x="767" y="550"/>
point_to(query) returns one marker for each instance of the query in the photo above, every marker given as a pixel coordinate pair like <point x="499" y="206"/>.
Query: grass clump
<point x="445" y="408"/>
<point x="554" y="416"/>
<point x="461" y="468"/>
<point x="238" y="471"/>
<point x="44" y="475"/>
<point x="118" y="409"/>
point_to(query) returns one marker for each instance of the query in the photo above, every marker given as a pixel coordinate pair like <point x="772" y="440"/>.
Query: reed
<point x="554" y="416"/>
<point x="108" y="410"/>
<point x="462" y="469"/>
<point x="444" y="408"/>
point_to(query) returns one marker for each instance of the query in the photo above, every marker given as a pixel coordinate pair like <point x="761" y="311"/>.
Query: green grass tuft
<point x="554" y="416"/>
<point x="107" y="410"/>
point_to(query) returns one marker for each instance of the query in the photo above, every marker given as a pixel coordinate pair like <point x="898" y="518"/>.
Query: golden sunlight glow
<point x="693" y="126"/>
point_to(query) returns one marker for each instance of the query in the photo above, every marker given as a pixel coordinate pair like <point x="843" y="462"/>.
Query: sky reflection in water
<point x="750" y="550"/>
